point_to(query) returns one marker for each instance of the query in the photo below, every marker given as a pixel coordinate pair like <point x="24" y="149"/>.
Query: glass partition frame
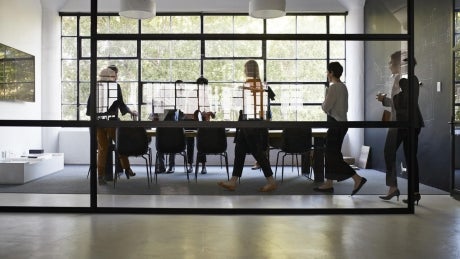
<point x="93" y="124"/>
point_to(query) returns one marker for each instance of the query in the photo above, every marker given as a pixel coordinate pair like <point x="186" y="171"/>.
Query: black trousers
<point x="190" y="151"/>
<point x="336" y="168"/>
<point x="401" y="136"/>
<point x="250" y="141"/>
<point x="161" y="161"/>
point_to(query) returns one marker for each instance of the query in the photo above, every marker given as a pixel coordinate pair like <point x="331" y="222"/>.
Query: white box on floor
<point x="24" y="169"/>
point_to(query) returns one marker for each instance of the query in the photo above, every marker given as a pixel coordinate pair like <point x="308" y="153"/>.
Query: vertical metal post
<point x="93" y="127"/>
<point x="412" y="103"/>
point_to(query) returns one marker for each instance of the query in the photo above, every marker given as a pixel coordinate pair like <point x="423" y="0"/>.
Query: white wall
<point x="355" y="77"/>
<point x="51" y="70"/>
<point x="20" y="28"/>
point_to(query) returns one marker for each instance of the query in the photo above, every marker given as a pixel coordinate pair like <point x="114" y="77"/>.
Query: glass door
<point x="455" y="121"/>
<point x="455" y="190"/>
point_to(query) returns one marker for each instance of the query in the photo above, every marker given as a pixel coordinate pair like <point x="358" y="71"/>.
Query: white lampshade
<point x="267" y="9"/>
<point x="138" y="9"/>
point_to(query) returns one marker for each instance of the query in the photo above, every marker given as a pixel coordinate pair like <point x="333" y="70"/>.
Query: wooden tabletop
<point x="316" y="132"/>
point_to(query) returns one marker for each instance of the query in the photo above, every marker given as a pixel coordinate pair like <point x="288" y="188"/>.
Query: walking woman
<point x="335" y="106"/>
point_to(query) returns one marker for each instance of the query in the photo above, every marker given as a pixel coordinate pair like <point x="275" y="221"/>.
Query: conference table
<point x="318" y="135"/>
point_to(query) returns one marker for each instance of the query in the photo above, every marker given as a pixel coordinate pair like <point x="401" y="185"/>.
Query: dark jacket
<point x="112" y="110"/>
<point x="401" y="102"/>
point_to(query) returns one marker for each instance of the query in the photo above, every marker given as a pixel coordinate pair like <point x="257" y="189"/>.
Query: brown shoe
<point x="268" y="188"/>
<point x="227" y="186"/>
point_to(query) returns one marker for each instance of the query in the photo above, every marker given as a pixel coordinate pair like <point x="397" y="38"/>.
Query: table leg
<point x="109" y="166"/>
<point x="318" y="159"/>
<point x="305" y="158"/>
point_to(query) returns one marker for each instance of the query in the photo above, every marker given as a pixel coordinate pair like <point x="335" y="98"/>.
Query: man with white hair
<point x="105" y="136"/>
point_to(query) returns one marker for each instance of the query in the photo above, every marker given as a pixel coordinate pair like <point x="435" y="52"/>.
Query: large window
<point x="184" y="47"/>
<point x="457" y="64"/>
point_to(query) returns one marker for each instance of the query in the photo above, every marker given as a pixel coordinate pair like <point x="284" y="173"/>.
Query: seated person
<point x="172" y="115"/>
<point x="197" y="116"/>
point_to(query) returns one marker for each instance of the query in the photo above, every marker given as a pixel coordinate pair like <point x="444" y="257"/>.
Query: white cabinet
<point x="24" y="169"/>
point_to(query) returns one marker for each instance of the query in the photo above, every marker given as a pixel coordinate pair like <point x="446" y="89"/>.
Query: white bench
<point x="24" y="169"/>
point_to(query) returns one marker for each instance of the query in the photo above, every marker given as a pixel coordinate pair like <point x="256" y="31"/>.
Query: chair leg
<point x="115" y="176"/>
<point x="196" y="167"/>
<point x="297" y="161"/>
<point x="226" y="165"/>
<point x="185" y="165"/>
<point x="147" y="170"/>
<point x="277" y="157"/>
<point x="310" y="156"/>
<point x="220" y="162"/>
<point x="156" y="168"/>
<point x="282" y="168"/>
<point x="150" y="166"/>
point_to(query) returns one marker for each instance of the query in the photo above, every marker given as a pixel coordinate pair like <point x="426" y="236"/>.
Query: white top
<point x="336" y="102"/>
<point x="394" y="90"/>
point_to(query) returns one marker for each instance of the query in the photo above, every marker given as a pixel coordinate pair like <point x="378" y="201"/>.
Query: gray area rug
<point x="72" y="180"/>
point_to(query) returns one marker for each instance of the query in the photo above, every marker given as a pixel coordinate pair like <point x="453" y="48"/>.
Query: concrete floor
<point x="433" y="232"/>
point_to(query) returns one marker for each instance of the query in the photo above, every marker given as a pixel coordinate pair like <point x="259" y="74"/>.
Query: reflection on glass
<point x="35" y="179"/>
<point x="386" y="16"/>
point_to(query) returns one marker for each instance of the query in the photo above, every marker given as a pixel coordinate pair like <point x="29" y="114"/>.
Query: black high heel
<point x="128" y="173"/>
<point x="417" y="198"/>
<point x="355" y="191"/>
<point x="391" y="195"/>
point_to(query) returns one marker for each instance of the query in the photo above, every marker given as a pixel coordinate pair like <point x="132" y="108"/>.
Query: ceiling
<point x="223" y="6"/>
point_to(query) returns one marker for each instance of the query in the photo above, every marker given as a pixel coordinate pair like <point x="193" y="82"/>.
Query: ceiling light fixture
<point x="266" y="9"/>
<point x="138" y="9"/>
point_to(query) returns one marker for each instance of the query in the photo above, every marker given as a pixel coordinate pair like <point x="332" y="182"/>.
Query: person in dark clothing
<point x="197" y="116"/>
<point x="105" y="136"/>
<point x="401" y="105"/>
<point x="253" y="141"/>
<point x="172" y="115"/>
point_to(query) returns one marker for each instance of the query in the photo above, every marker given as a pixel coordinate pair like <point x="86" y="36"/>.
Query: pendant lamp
<point x="138" y="9"/>
<point x="266" y="9"/>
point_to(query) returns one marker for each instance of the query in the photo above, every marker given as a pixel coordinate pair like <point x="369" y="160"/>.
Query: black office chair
<point x="133" y="141"/>
<point x="211" y="141"/>
<point x="170" y="141"/>
<point x="294" y="141"/>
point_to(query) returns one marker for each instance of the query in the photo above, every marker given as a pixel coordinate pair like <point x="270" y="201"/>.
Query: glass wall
<point x="456" y="108"/>
<point x="173" y="51"/>
<point x="185" y="47"/>
<point x="36" y="177"/>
